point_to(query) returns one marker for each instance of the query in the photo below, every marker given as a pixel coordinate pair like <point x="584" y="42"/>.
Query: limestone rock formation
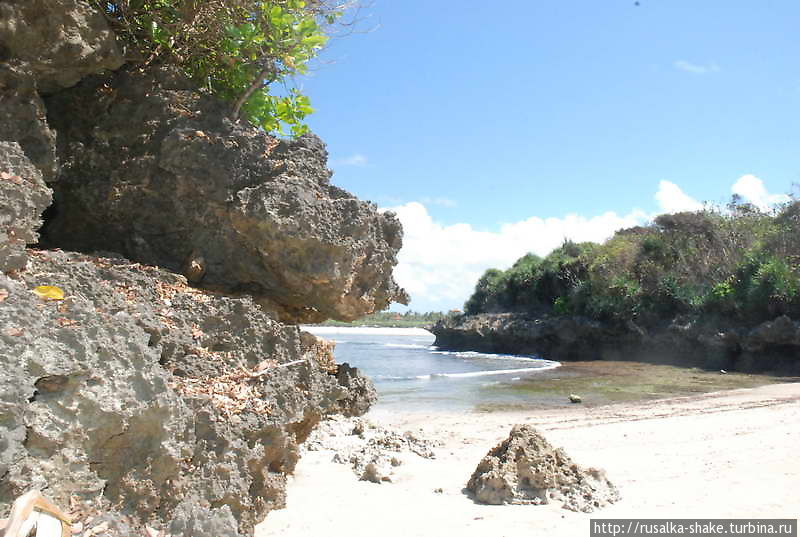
<point x="22" y="119"/>
<point x="526" y="469"/>
<point x="362" y="392"/>
<point x="23" y="197"/>
<point x="59" y="41"/>
<point x="237" y="210"/>
<point x="780" y="331"/>
<point x="177" y="405"/>
<point x="138" y="397"/>
<point x="553" y="338"/>
<point x="712" y="343"/>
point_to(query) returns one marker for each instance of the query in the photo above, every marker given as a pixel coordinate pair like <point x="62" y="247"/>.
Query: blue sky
<point x="500" y="128"/>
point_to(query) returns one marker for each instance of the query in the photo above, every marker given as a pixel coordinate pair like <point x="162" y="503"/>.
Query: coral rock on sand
<point x="362" y="392"/>
<point x="526" y="469"/>
<point x="371" y="451"/>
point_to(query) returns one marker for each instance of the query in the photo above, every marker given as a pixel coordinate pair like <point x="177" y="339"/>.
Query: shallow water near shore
<point x="411" y="374"/>
<point x="605" y="382"/>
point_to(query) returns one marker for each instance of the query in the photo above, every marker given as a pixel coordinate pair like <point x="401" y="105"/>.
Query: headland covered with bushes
<point x="710" y="287"/>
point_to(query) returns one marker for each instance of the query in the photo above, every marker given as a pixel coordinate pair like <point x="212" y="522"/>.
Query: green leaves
<point x="741" y="264"/>
<point x="229" y="46"/>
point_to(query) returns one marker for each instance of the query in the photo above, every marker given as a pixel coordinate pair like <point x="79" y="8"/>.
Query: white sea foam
<point x="483" y="355"/>
<point x="547" y="365"/>
<point x="550" y="365"/>
<point x="372" y="330"/>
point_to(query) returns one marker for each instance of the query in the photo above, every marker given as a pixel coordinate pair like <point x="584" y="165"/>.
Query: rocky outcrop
<point x="170" y="396"/>
<point x="773" y="346"/>
<point x="232" y="208"/>
<point x="362" y="393"/>
<point x="45" y="46"/>
<point x="23" y="197"/>
<point x="22" y="119"/>
<point x="526" y="469"/>
<point x="180" y="407"/>
<point x="58" y="42"/>
<point x="554" y="338"/>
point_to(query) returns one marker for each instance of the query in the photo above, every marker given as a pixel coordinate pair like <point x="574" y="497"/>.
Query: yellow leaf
<point x="49" y="292"/>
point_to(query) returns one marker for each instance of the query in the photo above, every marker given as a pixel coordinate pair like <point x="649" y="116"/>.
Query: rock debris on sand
<point x="526" y="469"/>
<point x="372" y="451"/>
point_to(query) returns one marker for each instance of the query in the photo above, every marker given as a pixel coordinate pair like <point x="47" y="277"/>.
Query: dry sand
<point x="733" y="454"/>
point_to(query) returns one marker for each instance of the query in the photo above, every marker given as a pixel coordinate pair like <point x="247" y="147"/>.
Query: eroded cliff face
<point x="166" y="399"/>
<point x="772" y="346"/>
<point x="59" y="42"/>
<point x="165" y="387"/>
<point x="155" y="171"/>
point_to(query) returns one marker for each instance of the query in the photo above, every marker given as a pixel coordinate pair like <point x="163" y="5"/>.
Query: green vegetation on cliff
<point x="741" y="263"/>
<point x="235" y="48"/>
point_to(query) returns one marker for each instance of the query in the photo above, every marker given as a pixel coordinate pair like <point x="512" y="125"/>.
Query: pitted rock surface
<point x="59" y="41"/>
<point x="23" y="197"/>
<point x="526" y="469"/>
<point x="173" y="403"/>
<point x="236" y="210"/>
<point x="362" y="391"/>
<point x="22" y="119"/>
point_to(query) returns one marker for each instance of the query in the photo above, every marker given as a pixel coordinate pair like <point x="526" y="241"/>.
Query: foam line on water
<point x="551" y="365"/>
<point x="548" y="365"/>
<point x="406" y="345"/>
<point x="474" y="354"/>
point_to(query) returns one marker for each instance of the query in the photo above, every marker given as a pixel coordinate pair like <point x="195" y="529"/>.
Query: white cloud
<point x="442" y="202"/>
<point x="440" y="264"/>
<point x="356" y="159"/>
<point x="695" y="68"/>
<point x="671" y="199"/>
<point x="752" y="189"/>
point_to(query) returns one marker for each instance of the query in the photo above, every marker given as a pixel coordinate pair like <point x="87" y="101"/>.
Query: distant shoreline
<point x="379" y="324"/>
<point x="323" y="330"/>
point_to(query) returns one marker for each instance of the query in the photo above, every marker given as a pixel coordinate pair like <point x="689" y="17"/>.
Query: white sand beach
<point x="728" y="454"/>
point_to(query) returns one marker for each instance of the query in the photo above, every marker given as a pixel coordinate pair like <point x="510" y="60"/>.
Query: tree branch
<point x="266" y="73"/>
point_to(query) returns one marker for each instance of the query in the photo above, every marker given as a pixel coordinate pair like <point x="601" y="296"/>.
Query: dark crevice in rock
<point x="130" y="393"/>
<point x="232" y="208"/>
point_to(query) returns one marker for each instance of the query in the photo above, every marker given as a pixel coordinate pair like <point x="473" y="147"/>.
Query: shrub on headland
<point x="236" y="48"/>
<point x="742" y="263"/>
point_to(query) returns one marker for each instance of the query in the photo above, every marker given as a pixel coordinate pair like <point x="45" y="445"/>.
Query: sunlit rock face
<point x="155" y="400"/>
<point x="158" y="384"/>
<point x="23" y="197"/>
<point x="57" y="41"/>
<point x="234" y="209"/>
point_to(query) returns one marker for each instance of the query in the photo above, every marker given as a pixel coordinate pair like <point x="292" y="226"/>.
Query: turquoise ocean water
<point x="412" y="374"/>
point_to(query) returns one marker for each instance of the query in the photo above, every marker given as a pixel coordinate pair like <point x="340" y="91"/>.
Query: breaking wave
<point x="547" y="365"/>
